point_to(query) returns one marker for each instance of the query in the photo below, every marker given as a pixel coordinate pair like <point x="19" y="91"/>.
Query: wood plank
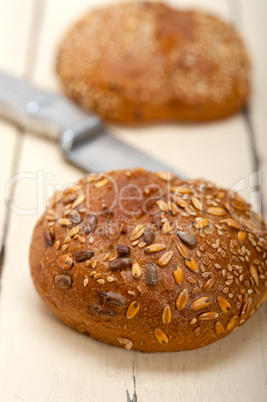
<point x="41" y="359"/>
<point x="14" y="33"/>
<point x="255" y="31"/>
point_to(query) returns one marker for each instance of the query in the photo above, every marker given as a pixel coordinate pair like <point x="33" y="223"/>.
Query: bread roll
<point x="141" y="61"/>
<point x="150" y="262"/>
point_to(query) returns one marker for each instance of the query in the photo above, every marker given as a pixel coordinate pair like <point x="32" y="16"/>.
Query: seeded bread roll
<point x="150" y="262"/>
<point x="143" y="61"/>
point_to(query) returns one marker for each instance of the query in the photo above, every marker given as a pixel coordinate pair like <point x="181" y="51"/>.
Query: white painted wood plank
<point x="15" y="19"/>
<point x="43" y="360"/>
<point x="253" y="25"/>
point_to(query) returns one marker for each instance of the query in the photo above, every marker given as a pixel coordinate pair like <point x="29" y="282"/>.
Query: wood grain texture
<point x="40" y="358"/>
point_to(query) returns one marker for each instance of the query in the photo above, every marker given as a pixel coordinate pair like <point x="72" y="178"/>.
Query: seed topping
<point x="78" y="201"/>
<point x="187" y="238"/>
<point x="178" y="275"/>
<point x="83" y="255"/>
<point x="182" y="250"/>
<point x="149" y="236"/>
<point x="120" y="263"/>
<point x="232" y="322"/>
<point x="201" y="223"/>
<point x="133" y="309"/>
<point x="161" y="336"/>
<point x="48" y="238"/>
<point x="166" y="315"/>
<point x="208" y="316"/>
<point x="191" y="264"/>
<point x="114" y="299"/>
<point x="165" y="258"/>
<point x="197" y="204"/>
<point x="201" y="303"/>
<point x="138" y="231"/>
<point x="182" y="300"/>
<point x="151" y="275"/>
<point x="154" y="248"/>
<point x="63" y="281"/>
<point x="136" y="270"/>
<point x="224" y="305"/>
<point x="163" y="206"/>
<point x="64" y="261"/>
<point x="91" y="223"/>
<point x="123" y="250"/>
<point x="217" y="211"/>
<point x="219" y="329"/>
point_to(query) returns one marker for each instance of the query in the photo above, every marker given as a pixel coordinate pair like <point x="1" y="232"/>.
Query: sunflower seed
<point x="187" y="238"/>
<point x="178" y="275"/>
<point x="191" y="264"/>
<point x="120" y="263"/>
<point x="166" y="315"/>
<point x="114" y="299"/>
<point x="161" y="336"/>
<point x="102" y="312"/>
<point x="91" y="223"/>
<point x="136" y="270"/>
<point x="149" y="236"/>
<point x="224" y="305"/>
<point x="48" y="238"/>
<point x="83" y="255"/>
<point x="151" y="275"/>
<point x="123" y="250"/>
<point x="64" y="261"/>
<point x="63" y="281"/>
<point x="200" y="303"/>
<point x="133" y="309"/>
<point x="182" y="300"/>
<point x="154" y="248"/>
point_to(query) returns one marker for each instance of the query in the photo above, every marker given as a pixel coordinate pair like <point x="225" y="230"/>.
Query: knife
<point x="83" y="137"/>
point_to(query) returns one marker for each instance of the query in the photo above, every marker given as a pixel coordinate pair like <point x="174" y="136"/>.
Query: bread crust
<point x="140" y="61"/>
<point x="190" y="269"/>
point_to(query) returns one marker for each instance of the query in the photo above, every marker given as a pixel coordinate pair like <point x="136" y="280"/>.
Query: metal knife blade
<point x="83" y="137"/>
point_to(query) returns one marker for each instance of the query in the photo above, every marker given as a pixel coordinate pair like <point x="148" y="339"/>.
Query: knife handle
<point x="41" y="112"/>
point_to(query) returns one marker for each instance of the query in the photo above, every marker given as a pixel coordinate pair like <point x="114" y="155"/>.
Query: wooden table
<point x="43" y="360"/>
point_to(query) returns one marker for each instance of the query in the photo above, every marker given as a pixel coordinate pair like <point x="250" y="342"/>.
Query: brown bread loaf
<point x="146" y="261"/>
<point x="143" y="61"/>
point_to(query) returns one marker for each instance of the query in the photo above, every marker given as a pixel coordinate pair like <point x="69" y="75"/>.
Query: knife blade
<point x="83" y="137"/>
